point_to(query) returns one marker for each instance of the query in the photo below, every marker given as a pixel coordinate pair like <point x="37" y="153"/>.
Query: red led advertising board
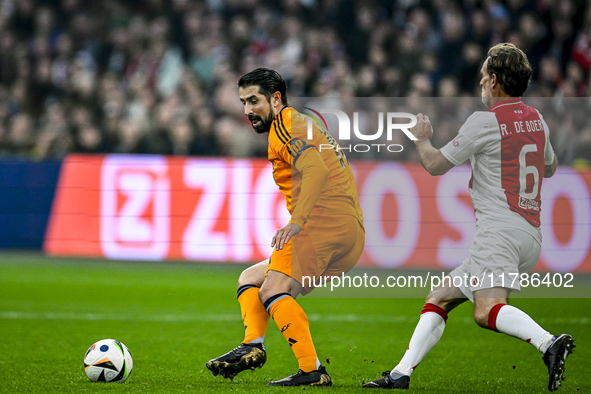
<point x="227" y="210"/>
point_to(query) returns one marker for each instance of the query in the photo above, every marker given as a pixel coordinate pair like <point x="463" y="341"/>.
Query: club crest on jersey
<point x="530" y="205"/>
<point x="297" y="147"/>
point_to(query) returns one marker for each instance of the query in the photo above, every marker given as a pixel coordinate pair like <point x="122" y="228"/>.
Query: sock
<point x="254" y="314"/>
<point x="512" y="321"/>
<point x="426" y="335"/>
<point x="293" y="323"/>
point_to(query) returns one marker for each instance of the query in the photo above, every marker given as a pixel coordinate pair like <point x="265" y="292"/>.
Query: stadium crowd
<point x="159" y="76"/>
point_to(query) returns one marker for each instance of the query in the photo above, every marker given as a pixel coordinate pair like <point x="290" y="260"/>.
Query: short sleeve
<point x="469" y="139"/>
<point x="548" y="154"/>
<point x="549" y="151"/>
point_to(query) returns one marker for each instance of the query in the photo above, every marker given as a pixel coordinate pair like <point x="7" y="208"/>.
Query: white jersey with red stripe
<point x="508" y="147"/>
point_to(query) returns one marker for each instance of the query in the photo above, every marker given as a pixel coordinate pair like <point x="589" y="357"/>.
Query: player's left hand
<point x="423" y="129"/>
<point x="284" y="234"/>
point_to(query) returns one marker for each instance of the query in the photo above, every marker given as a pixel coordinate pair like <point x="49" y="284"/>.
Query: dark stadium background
<point x="102" y="77"/>
<point x="157" y="76"/>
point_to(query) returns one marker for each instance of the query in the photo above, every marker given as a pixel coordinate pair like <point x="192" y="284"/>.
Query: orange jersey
<point x="288" y="146"/>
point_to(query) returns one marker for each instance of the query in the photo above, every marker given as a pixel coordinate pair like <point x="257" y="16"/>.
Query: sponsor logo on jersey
<point x="530" y="205"/>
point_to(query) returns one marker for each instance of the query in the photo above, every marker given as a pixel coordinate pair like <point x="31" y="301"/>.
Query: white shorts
<point x="497" y="256"/>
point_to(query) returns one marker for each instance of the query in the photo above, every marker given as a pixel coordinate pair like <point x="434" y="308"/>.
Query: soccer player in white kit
<point x="510" y="152"/>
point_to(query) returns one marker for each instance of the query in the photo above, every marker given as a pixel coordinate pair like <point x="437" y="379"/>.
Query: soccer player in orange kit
<point x="325" y="236"/>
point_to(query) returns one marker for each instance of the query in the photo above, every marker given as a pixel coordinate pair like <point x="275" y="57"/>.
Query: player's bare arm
<point x="432" y="159"/>
<point x="550" y="169"/>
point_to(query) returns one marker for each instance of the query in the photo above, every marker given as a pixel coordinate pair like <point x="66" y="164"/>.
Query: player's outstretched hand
<point x="423" y="129"/>
<point x="284" y="234"/>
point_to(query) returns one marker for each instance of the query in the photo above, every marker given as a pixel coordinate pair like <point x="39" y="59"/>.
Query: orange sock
<point x="293" y="323"/>
<point x="254" y="314"/>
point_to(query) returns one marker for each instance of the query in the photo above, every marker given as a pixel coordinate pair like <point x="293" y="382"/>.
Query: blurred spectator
<point x="235" y="139"/>
<point x="21" y="137"/>
<point x="160" y="76"/>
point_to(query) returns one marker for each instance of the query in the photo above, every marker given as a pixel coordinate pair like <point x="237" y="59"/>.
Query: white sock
<point x="258" y="340"/>
<point x="518" y="324"/>
<point x="426" y="335"/>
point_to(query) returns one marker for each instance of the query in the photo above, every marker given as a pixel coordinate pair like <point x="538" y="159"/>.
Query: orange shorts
<point x="326" y="245"/>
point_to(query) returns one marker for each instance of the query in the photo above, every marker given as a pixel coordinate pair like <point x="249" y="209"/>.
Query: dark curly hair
<point x="269" y="81"/>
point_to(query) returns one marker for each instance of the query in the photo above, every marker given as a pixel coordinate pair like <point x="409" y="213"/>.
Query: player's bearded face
<point x="261" y="124"/>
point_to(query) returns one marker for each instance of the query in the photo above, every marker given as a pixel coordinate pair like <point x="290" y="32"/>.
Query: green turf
<point x="176" y="316"/>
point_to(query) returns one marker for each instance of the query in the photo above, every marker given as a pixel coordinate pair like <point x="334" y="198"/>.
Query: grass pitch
<point x="176" y="316"/>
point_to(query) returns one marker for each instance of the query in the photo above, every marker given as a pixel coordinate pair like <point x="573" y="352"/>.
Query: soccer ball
<point x="108" y="360"/>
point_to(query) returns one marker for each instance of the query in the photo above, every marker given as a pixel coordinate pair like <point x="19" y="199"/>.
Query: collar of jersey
<point x="282" y="109"/>
<point x="501" y="103"/>
<point x="276" y="118"/>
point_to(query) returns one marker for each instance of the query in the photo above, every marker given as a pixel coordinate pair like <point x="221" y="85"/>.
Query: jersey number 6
<point x="524" y="170"/>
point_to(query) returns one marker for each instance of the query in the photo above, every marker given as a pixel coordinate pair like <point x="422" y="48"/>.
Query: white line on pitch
<point x="186" y="317"/>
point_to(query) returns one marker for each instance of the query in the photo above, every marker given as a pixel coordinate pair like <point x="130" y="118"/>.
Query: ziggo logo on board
<point x="154" y="207"/>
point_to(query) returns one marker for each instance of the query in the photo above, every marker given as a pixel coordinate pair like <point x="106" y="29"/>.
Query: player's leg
<point x="427" y="333"/>
<point x="511" y="252"/>
<point x="276" y="295"/>
<point x="254" y="314"/>
<point x="285" y="277"/>
<point x="492" y="311"/>
<point x="498" y="257"/>
<point x="338" y="241"/>
<point x="251" y="353"/>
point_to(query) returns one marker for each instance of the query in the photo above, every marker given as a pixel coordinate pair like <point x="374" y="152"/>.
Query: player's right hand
<point x="284" y="234"/>
<point x="423" y="130"/>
